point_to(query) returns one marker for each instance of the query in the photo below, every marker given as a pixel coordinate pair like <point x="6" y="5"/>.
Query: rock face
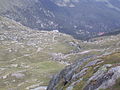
<point x="67" y="75"/>
<point x="79" y="18"/>
<point x="104" y="80"/>
<point x="77" y="77"/>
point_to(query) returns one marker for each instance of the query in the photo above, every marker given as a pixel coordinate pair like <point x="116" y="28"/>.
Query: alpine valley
<point x="59" y="45"/>
<point x="82" y="19"/>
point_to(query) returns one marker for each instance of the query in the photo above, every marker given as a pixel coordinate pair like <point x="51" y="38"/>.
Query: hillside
<point x="96" y="73"/>
<point x="28" y="57"/>
<point x="98" y="70"/>
<point x="59" y="44"/>
<point x="80" y="18"/>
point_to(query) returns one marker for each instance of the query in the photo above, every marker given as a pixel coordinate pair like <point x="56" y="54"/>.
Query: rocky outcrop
<point x="68" y="74"/>
<point x="87" y="74"/>
<point x="103" y="79"/>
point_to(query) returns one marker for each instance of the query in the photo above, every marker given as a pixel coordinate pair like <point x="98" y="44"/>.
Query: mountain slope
<point x="79" y="18"/>
<point x="102" y="73"/>
<point x="97" y="71"/>
<point x="27" y="57"/>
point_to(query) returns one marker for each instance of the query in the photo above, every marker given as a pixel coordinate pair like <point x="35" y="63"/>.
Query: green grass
<point x="112" y="58"/>
<point x="89" y="73"/>
<point x="41" y="71"/>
